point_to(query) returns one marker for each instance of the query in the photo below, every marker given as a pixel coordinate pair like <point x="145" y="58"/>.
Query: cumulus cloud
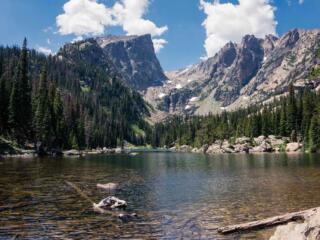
<point x="129" y="15"/>
<point x="301" y="1"/>
<point x="84" y="17"/>
<point x="78" y="38"/>
<point x="227" y="22"/>
<point x="45" y="50"/>
<point x="159" y="44"/>
<point x="89" y="17"/>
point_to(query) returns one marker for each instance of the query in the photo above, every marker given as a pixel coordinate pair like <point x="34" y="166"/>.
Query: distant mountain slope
<point x="131" y="57"/>
<point x="241" y="74"/>
<point x="98" y="109"/>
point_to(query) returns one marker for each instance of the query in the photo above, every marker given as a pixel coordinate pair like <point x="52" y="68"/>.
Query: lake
<point x="176" y="195"/>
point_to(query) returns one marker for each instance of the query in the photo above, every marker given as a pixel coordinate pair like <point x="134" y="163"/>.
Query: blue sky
<point x="185" y="35"/>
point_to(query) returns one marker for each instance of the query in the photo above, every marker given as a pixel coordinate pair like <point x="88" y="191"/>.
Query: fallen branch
<point x="268" y="222"/>
<point x="81" y="193"/>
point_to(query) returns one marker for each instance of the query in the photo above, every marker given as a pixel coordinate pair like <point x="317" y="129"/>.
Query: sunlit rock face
<point x="132" y="58"/>
<point x="253" y="71"/>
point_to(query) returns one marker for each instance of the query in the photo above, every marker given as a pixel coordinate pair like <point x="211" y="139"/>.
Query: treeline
<point x="296" y="116"/>
<point x="65" y="104"/>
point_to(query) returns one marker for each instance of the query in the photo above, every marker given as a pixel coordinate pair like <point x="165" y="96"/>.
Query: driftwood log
<point x="268" y="222"/>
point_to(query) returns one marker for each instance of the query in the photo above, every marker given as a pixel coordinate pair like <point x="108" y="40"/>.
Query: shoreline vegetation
<point x="261" y="144"/>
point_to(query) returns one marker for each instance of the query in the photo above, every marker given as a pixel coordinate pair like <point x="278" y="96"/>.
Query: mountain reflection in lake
<point x="175" y="195"/>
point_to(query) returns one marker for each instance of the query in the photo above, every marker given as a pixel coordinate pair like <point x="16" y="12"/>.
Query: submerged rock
<point x="133" y="154"/>
<point x="124" y="217"/>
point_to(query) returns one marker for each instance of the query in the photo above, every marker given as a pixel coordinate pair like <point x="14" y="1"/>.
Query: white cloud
<point x="230" y="22"/>
<point x="45" y="50"/>
<point x="47" y="30"/>
<point x="158" y="44"/>
<point x="129" y="15"/>
<point x="88" y="17"/>
<point x="84" y="17"/>
<point x="77" y="39"/>
<point x="290" y="2"/>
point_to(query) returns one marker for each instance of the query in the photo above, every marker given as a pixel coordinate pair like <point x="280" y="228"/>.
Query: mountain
<point x="75" y="102"/>
<point x="239" y="75"/>
<point x="131" y="57"/>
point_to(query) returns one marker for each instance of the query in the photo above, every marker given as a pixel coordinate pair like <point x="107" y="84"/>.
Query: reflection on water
<point x="175" y="195"/>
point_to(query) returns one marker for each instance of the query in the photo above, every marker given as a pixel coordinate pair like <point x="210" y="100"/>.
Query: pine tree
<point x="283" y="120"/>
<point x="292" y="114"/>
<point x="42" y="113"/>
<point x="20" y="110"/>
<point x="308" y="108"/>
<point x="314" y="133"/>
<point x="4" y="102"/>
<point x="58" y="122"/>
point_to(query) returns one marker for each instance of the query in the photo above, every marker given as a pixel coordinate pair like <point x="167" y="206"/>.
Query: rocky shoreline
<point x="59" y="153"/>
<point x="261" y="144"/>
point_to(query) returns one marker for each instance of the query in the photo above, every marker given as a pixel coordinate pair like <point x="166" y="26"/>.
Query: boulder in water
<point x="111" y="203"/>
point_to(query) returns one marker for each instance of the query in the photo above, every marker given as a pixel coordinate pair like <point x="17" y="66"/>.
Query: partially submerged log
<point x="268" y="222"/>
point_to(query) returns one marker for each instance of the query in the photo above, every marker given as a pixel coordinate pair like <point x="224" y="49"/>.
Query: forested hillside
<point x="63" y="104"/>
<point x="296" y="116"/>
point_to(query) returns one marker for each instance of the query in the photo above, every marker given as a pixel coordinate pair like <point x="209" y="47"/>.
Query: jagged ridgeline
<point x="66" y="102"/>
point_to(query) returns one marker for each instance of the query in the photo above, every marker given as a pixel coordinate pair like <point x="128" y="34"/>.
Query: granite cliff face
<point x="132" y="58"/>
<point x="255" y="70"/>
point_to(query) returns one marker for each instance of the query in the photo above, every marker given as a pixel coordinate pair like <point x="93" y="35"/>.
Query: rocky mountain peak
<point x="290" y="38"/>
<point x="253" y="71"/>
<point x="131" y="57"/>
<point x="269" y="43"/>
